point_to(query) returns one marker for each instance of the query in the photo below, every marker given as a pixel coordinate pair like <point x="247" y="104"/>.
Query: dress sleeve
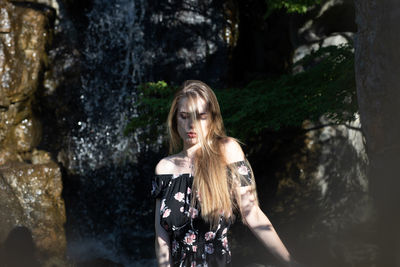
<point x="243" y="169"/>
<point x="158" y="185"/>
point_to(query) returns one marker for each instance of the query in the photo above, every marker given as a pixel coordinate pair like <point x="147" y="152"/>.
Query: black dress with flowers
<point x="192" y="241"/>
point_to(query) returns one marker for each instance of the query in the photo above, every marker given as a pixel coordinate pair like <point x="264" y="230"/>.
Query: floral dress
<point x="192" y="241"/>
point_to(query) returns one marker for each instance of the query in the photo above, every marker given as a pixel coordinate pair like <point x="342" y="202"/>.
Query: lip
<point x="191" y="134"/>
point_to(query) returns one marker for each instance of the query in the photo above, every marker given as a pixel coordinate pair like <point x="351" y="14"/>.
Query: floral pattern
<point x="190" y="238"/>
<point x="180" y="197"/>
<point x="243" y="170"/>
<point x="224" y="241"/>
<point x="209" y="236"/>
<point x="193" y="212"/>
<point x="166" y="213"/>
<point x="192" y="242"/>
<point x="209" y="248"/>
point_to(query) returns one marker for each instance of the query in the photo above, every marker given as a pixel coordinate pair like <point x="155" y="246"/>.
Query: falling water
<point x="111" y="55"/>
<point x="104" y="213"/>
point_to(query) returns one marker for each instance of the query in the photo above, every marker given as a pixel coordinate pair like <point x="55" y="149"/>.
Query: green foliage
<point x="291" y="6"/>
<point x="154" y="100"/>
<point x="325" y="87"/>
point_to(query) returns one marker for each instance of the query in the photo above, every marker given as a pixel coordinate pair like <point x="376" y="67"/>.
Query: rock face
<point x="31" y="197"/>
<point x="321" y="28"/>
<point x="30" y="182"/>
<point x="22" y="54"/>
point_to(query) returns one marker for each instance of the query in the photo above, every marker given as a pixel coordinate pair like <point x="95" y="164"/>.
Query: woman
<point x="198" y="187"/>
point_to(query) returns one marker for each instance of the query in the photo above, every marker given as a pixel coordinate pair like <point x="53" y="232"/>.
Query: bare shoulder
<point x="165" y="166"/>
<point x="231" y="150"/>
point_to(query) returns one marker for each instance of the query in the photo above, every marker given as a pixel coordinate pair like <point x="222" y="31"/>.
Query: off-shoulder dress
<point x="193" y="243"/>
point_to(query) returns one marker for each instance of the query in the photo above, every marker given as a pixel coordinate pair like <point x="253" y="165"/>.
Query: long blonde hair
<point x="212" y="188"/>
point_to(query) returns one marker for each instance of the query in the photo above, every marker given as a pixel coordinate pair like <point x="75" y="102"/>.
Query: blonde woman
<point x="201" y="185"/>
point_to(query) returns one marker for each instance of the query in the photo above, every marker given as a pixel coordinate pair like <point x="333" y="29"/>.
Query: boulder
<point x="321" y="28"/>
<point x="32" y="211"/>
<point x="23" y="38"/>
<point x="324" y="191"/>
<point x="31" y="197"/>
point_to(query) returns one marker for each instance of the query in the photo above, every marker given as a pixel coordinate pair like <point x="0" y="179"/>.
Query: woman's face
<point x="185" y="124"/>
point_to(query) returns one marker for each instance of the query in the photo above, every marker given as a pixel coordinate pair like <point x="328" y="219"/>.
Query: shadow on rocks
<point x="18" y="250"/>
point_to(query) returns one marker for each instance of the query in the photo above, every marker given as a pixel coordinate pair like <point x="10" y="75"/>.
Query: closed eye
<point x="203" y="116"/>
<point x="184" y="115"/>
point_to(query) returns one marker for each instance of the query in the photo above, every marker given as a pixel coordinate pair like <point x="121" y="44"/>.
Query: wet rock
<point x="4" y="101"/>
<point x="31" y="197"/>
<point x="23" y="39"/>
<point x="9" y="155"/>
<point x="32" y="212"/>
<point x="40" y="157"/>
<point x="5" y="23"/>
<point x="25" y="135"/>
<point x="26" y="43"/>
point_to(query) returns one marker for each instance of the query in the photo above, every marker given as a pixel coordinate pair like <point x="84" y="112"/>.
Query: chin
<point x="191" y="141"/>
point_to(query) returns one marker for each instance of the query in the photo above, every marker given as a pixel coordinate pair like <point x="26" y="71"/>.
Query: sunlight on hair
<point x="213" y="184"/>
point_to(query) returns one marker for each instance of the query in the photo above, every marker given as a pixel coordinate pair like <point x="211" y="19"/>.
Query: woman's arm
<point x="253" y="216"/>
<point x="163" y="251"/>
<point x="260" y="225"/>
<point x="163" y="247"/>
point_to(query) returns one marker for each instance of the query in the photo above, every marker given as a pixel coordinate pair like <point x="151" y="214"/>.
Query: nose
<point x="190" y="123"/>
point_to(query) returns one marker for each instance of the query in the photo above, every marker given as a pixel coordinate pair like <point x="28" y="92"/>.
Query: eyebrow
<point x="199" y="113"/>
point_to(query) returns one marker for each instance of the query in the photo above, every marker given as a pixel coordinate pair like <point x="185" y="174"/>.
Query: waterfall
<point x="111" y="58"/>
<point x="104" y="189"/>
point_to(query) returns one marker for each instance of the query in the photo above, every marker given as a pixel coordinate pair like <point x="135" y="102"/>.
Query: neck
<point x="189" y="151"/>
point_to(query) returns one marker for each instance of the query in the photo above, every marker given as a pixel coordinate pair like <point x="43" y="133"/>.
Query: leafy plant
<point x="291" y="6"/>
<point x="151" y="106"/>
<point x="325" y="87"/>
